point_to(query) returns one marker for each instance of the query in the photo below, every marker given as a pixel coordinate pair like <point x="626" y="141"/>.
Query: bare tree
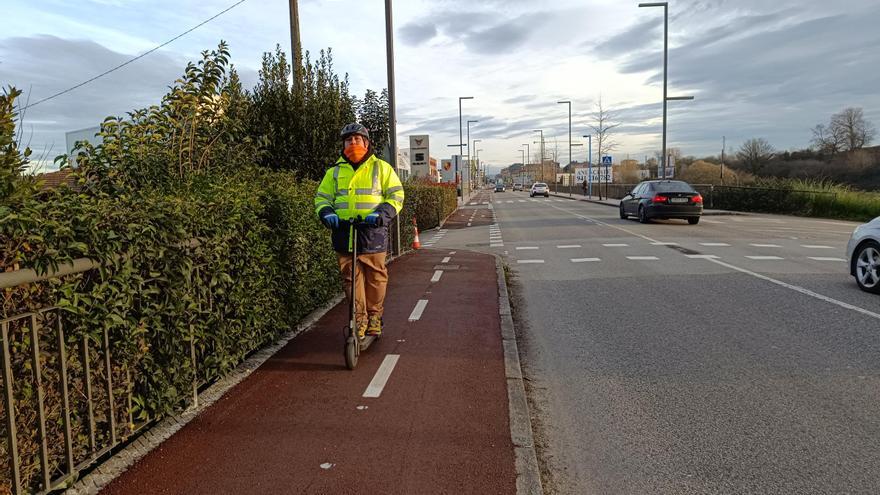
<point x="603" y="126"/>
<point x="850" y="124"/>
<point x="755" y="153"/>
<point x="826" y="140"/>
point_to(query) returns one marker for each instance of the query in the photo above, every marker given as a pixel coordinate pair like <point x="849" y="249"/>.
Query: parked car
<point x="539" y="188"/>
<point x="499" y="187"/>
<point x="863" y="252"/>
<point x="663" y="199"/>
<point x="517" y="186"/>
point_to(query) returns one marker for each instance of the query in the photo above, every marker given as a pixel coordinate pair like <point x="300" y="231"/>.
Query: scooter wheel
<point x="351" y="353"/>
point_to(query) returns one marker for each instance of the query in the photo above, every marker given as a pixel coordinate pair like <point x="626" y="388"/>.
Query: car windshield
<point x="668" y="187"/>
<point x="540" y="184"/>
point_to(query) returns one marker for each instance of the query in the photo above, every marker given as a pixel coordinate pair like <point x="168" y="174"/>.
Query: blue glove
<point x="372" y="219"/>
<point x="331" y="220"/>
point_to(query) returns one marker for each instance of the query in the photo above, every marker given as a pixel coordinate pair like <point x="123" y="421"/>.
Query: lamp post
<point x="542" y="153"/>
<point x="665" y="6"/>
<point x="529" y="157"/>
<point x="460" y="138"/>
<point x="523" y="152"/>
<point x="569" y="139"/>
<point x="471" y="163"/>
<point x="392" y="107"/>
<point x="590" y="164"/>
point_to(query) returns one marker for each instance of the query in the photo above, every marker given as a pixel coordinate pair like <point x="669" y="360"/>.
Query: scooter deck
<point x="367" y="341"/>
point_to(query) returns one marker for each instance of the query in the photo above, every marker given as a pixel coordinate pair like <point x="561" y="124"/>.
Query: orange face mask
<point x="355" y="152"/>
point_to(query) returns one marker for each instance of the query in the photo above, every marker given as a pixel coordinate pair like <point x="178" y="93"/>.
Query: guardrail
<point x="85" y="384"/>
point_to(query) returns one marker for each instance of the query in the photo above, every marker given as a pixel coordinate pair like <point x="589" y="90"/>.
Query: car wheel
<point x="694" y="220"/>
<point x="867" y="264"/>
<point x="643" y="215"/>
<point x="623" y="215"/>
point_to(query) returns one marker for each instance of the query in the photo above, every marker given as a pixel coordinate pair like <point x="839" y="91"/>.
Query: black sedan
<point x="663" y="199"/>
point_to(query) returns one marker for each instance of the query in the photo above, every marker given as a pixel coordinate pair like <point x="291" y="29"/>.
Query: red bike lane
<point x="300" y="423"/>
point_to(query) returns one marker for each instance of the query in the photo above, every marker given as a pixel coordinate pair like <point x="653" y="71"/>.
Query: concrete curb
<point x="528" y="474"/>
<point x="710" y="213"/>
<point x="151" y="438"/>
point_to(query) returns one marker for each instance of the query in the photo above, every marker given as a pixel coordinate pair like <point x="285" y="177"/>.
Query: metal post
<point x="87" y="373"/>
<point x="110" y="399"/>
<point x="723" y="145"/>
<point x="9" y="403"/>
<point x="665" y="60"/>
<point x="392" y="107"/>
<point x="41" y="409"/>
<point x="65" y="395"/>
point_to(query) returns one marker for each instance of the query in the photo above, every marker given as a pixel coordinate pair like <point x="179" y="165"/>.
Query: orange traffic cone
<point x="416" y="243"/>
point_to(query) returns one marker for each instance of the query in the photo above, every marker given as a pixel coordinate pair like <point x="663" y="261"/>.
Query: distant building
<point x="88" y="134"/>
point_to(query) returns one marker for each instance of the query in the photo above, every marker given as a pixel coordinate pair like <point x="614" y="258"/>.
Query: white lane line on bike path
<point x="445" y="260"/>
<point x="374" y="389"/>
<point x="418" y="310"/>
<point x="437" y="275"/>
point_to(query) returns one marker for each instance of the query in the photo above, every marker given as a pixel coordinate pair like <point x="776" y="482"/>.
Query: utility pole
<point x="723" y="145"/>
<point x="295" y="45"/>
<point x="392" y="109"/>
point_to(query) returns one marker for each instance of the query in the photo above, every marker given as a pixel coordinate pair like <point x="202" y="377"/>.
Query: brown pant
<point x="372" y="280"/>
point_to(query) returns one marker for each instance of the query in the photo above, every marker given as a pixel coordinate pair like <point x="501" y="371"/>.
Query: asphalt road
<point x="735" y="356"/>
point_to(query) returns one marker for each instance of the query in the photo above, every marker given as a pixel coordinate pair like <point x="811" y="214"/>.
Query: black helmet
<point x="355" y="128"/>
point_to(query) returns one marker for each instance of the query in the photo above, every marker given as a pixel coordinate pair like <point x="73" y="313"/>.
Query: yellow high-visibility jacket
<point x="373" y="187"/>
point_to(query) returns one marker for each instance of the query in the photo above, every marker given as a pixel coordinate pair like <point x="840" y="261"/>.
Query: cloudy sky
<point x="756" y="68"/>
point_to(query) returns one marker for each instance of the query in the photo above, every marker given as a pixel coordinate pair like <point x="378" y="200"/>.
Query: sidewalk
<point x="301" y="424"/>
<point x="616" y="203"/>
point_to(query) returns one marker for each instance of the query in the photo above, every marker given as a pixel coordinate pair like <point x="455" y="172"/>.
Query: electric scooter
<point x="353" y="345"/>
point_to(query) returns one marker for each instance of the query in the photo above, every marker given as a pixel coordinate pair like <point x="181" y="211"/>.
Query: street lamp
<point x="590" y="163"/>
<point x="471" y="171"/>
<point x="542" y="153"/>
<point x="460" y="138"/>
<point x="665" y="6"/>
<point x="469" y="122"/>
<point x="569" y="139"/>
<point x="528" y="156"/>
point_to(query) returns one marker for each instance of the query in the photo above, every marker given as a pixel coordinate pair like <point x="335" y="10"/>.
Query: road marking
<point x="800" y="289"/>
<point x="642" y="258"/>
<point x="766" y="245"/>
<point x="452" y="253"/>
<point x="664" y="244"/>
<point x="523" y="262"/>
<point x="446" y="260"/>
<point x="520" y="248"/>
<point x="509" y="202"/>
<point x="815" y="246"/>
<point x="374" y="389"/>
<point x="712" y="221"/>
<point x="569" y="246"/>
<point x="819" y="258"/>
<point x="418" y="310"/>
<point x="437" y="275"/>
<point x="584" y="260"/>
<point x="702" y="256"/>
<point x="521" y="201"/>
<point x="496" y="244"/>
<point x="764" y="258"/>
<point x="714" y="244"/>
<point x="615" y="245"/>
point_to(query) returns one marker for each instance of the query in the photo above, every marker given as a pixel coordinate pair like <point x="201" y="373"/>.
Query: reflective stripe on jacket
<point x="373" y="188"/>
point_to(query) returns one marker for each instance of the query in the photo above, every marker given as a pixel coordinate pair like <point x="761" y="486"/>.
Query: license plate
<point x="678" y="200"/>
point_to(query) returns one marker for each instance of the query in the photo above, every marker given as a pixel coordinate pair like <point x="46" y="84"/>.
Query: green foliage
<point x="300" y="122"/>
<point x="428" y="204"/>
<point x="373" y="113"/>
<point x="13" y="185"/>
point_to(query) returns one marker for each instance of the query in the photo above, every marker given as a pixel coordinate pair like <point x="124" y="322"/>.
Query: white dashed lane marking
<point x="766" y="245"/>
<point x="525" y="262"/>
<point x="584" y="260"/>
<point x="815" y="246"/>
<point x="437" y="275"/>
<point x="764" y="258"/>
<point x="615" y="245"/>
<point x="569" y="246"/>
<point x="374" y="389"/>
<point x="702" y="256"/>
<point x="445" y="260"/>
<point x="714" y="244"/>
<point x="521" y="248"/>
<point x="820" y="258"/>
<point x="418" y="310"/>
<point x="642" y="258"/>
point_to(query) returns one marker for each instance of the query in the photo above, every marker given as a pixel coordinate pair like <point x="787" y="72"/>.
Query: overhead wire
<point x="72" y="88"/>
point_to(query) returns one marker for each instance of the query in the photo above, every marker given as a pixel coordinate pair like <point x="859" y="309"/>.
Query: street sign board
<point x="606" y="160"/>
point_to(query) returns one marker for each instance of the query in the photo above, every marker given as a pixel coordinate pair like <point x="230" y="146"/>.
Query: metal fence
<point x="58" y="385"/>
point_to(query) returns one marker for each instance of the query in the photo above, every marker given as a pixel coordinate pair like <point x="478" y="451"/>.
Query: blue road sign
<point x="606" y="160"/>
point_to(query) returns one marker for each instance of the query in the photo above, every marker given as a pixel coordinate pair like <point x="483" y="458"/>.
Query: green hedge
<point x="229" y="263"/>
